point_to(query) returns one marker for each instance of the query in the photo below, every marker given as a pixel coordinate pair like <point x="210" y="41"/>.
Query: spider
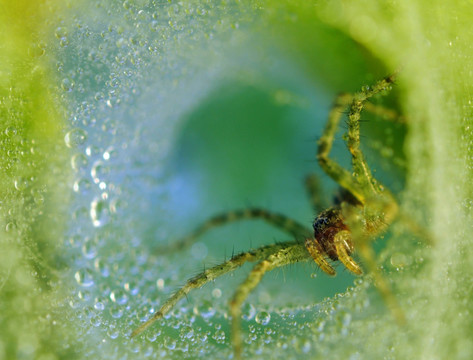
<point x="364" y="210"/>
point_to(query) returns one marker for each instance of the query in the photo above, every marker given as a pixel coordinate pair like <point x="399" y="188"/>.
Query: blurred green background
<point x="126" y="124"/>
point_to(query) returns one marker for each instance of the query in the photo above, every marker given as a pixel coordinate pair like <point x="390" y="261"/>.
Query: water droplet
<point x="306" y="346"/>
<point x="81" y="186"/>
<point x="67" y="85"/>
<point x="10" y="131"/>
<point x="132" y="287"/>
<point x="38" y="196"/>
<point x="116" y="311"/>
<point x="75" y="137"/>
<point x="21" y="183"/>
<point x="399" y="260"/>
<point x="84" y="295"/>
<point x="219" y="336"/>
<point x="95" y="321"/>
<point x="99" y="212"/>
<point x="89" y="249"/>
<point x="109" y="153"/>
<point x="170" y="343"/>
<point x="37" y="50"/>
<point x="113" y="332"/>
<point x="248" y="311"/>
<point x="119" y="296"/>
<point x="120" y="42"/>
<point x="263" y="318"/>
<point x="117" y="205"/>
<point x="91" y="150"/>
<point x="79" y="161"/>
<point x="102" y="267"/>
<point x="60" y="32"/>
<point x="216" y="293"/>
<point x="64" y="42"/>
<point x="205" y="309"/>
<point x="9" y="227"/>
<point x="84" y="277"/>
<point x="153" y="335"/>
<point x="187" y="332"/>
<point x="98" y="171"/>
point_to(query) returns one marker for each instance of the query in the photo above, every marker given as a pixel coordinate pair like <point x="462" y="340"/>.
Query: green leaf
<point x="34" y="190"/>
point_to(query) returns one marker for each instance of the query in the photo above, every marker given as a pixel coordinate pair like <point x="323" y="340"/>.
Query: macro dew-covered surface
<point x="126" y="123"/>
<point x="32" y="197"/>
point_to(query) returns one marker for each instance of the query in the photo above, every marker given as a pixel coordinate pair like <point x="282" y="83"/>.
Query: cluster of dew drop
<point x="115" y="277"/>
<point x="118" y="283"/>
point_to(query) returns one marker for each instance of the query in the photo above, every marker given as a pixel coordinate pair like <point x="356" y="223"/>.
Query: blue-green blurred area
<point x="243" y="147"/>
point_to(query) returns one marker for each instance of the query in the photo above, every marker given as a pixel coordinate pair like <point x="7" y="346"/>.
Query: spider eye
<point x="320" y="222"/>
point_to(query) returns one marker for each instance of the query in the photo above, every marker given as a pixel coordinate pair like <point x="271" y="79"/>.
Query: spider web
<point x="130" y="77"/>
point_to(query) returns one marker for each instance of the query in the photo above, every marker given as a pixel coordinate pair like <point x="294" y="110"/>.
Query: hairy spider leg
<point x="284" y="256"/>
<point x="294" y="250"/>
<point x="362" y="186"/>
<point x="375" y="197"/>
<point x="360" y="167"/>
<point x="280" y="221"/>
<point x="356" y="102"/>
<point x="340" y="175"/>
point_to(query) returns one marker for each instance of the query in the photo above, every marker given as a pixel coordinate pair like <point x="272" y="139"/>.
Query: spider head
<point x="328" y="224"/>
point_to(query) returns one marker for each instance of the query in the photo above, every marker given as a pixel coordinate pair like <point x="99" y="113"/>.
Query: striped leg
<point x="356" y="103"/>
<point x="280" y="221"/>
<point x="340" y="175"/>
<point x="360" y="167"/>
<point x="285" y="256"/>
<point x="296" y="251"/>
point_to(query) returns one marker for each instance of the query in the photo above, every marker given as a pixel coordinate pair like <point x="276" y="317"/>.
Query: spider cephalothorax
<point x="363" y="210"/>
<point x="326" y="227"/>
<point x="332" y="238"/>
